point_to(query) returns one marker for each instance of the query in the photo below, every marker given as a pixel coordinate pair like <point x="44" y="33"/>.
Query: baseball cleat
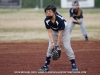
<point x="74" y="68"/>
<point x="44" y="69"/>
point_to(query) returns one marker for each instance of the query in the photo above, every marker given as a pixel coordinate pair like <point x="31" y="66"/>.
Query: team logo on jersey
<point x="47" y="22"/>
<point x="60" y="17"/>
<point x="57" y="23"/>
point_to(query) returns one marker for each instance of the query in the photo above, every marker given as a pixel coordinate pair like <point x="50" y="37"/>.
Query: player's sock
<point x="86" y="37"/>
<point x="73" y="62"/>
<point x="47" y="62"/>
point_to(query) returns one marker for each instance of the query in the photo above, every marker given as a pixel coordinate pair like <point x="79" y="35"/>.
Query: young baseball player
<point x="58" y="31"/>
<point x="76" y="15"/>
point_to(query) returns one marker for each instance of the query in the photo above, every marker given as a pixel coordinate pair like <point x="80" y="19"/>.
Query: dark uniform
<point x="73" y="13"/>
<point x="59" y="24"/>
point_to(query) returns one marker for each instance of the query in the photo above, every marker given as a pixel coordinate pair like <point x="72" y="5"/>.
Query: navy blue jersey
<point x="74" y="12"/>
<point x="59" y="23"/>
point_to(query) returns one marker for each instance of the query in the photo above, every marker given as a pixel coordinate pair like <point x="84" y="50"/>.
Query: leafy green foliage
<point x="97" y="3"/>
<point x="34" y="3"/>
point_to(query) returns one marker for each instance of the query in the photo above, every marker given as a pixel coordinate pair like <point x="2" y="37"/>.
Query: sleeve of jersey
<point x="71" y="14"/>
<point x="61" y="25"/>
<point x="46" y="25"/>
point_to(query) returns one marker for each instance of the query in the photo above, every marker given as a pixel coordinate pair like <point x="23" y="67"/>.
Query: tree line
<point x="37" y="3"/>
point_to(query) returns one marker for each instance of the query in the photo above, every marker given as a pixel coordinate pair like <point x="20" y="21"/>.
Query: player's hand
<point x="78" y="21"/>
<point x="58" y="47"/>
<point x="53" y="45"/>
<point x="74" y="20"/>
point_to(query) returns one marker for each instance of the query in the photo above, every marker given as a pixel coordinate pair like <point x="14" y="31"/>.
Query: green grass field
<point x="28" y="25"/>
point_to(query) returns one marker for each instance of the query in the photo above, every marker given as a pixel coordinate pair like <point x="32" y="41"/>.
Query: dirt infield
<point x="28" y="57"/>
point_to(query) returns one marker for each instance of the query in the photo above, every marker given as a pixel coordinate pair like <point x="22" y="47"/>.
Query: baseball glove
<point x="78" y="22"/>
<point x="56" y="52"/>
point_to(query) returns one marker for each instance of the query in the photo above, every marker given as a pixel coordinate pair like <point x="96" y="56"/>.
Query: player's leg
<point x="71" y="26"/>
<point x="69" y="51"/>
<point x="83" y="29"/>
<point x="48" y="55"/>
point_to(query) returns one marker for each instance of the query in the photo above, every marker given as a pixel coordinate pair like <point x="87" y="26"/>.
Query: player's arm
<point x="61" y="27"/>
<point x="49" y="33"/>
<point x="51" y="37"/>
<point x="59" y="37"/>
<point x="71" y="16"/>
<point x="73" y="19"/>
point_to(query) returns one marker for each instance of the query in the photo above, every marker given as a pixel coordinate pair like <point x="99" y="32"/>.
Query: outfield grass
<point x="41" y="11"/>
<point x="28" y="24"/>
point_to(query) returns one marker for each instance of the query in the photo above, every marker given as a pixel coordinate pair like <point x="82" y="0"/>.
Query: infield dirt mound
<point x="30" y="56"/>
